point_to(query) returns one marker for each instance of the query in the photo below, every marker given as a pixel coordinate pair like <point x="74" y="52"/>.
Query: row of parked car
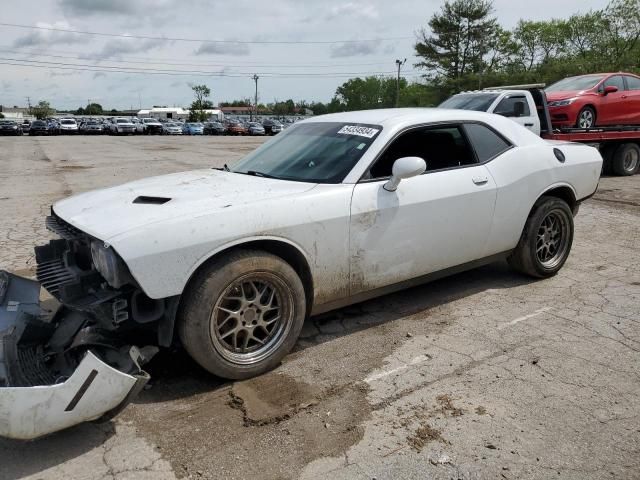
<point x="143" y="126"/>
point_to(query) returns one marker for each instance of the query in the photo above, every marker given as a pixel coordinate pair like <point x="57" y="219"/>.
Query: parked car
<point x="91" y="127"/>
<point x="10" y="127"/>
<point x="214" y="128"/>
<point x="54" y="126"/>
<point x="593" y="100"/>
<point x="39" y="127"/>
<point x="254" y="128"/>
<point x="26" y="126"/>
<point x="236" y="128"/>
<point x="122" y="126"/>
<point x="149" y="126"/>
<point x="171" y="128"/>
<point x="193" y="128"/>
<point x="235" y="259"/>
<point x="271" y="127"/>
<point x="68" y="126"/>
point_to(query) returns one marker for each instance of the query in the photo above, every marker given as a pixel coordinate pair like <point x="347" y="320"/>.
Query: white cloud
<point x="222" y="49"/>
<point x="48" y="37"/>
<point x="353" y="10"/>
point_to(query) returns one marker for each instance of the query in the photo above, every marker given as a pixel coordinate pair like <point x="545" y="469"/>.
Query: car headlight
<point x="562" y="103"/>
<point x="110" y="265"/>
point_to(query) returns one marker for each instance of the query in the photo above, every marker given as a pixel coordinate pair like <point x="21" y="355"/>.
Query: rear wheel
<point x="242" y="314"/>
<point x="586" y="118"/>
<point x="626" y="159"/>
<point x="546" y="239"/>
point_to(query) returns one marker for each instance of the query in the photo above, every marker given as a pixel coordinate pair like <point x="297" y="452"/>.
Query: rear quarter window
<point x="486" y="143"/>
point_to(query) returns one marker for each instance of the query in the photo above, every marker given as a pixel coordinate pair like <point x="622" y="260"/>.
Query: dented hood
<point x="112" y="211"/>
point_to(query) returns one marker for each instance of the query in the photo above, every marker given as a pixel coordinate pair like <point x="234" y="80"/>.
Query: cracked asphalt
<point x="486" y="374"/>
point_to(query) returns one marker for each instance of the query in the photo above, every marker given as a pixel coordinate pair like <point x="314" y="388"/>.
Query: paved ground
<point x="483" y="375"/>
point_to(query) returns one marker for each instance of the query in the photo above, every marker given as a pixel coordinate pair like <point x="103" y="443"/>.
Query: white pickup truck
<point x="515" y="104"/>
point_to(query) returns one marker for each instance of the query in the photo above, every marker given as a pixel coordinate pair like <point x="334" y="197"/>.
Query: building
<point x="14" y="113"/>
<point x="175" y="113"/>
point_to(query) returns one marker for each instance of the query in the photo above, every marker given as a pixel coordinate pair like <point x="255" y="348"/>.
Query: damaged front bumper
<point x="46" y="384"/>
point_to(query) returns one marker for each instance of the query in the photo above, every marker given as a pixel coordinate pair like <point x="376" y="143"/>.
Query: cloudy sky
<point x="175" y="46"/>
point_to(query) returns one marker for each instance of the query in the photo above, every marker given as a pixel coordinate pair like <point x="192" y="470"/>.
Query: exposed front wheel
<point x="242" y="314"/>
<point x="546" y="240"/>
<point x="586" y="118"/>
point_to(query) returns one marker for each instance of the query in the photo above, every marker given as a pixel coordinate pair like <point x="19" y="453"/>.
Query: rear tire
<point x="626" y="159"/>
<point x="546" y="239"/>
<point x="242" y="313"/>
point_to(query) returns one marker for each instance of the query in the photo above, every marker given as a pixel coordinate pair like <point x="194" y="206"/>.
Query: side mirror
<point x="405" y="167"/>
<point x="518" y="109"/>
<point x="610" y="89"/>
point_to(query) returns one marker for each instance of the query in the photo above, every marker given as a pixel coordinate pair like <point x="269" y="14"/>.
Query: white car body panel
<point x="356" y="236"/>
<point x="31" y="412"/>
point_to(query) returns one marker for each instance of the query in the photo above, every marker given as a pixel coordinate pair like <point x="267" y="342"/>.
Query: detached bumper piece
<point x="44" y="385"/>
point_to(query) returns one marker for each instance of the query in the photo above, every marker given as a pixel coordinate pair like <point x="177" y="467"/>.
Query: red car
<point x="598" y="99"/>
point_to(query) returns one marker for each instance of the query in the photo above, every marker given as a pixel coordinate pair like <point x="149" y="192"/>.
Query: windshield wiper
<point x="260" y="174"/>
<point x="225" y="168"/>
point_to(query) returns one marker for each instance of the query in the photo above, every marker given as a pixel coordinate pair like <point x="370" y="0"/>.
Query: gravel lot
<point x="486" y="374"/>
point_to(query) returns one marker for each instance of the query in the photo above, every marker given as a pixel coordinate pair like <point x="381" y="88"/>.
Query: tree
<point x="43" y="110"/>
<point x="1" y="115"/>
<point x="201" y="103"/>
<point x="93" y="109"/>
<point x="460" y="38"/>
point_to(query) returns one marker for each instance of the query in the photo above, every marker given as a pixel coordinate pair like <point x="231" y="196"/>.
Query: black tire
<point x="536" y="234"/>
<point x="626" y="159"/>
<point x="589" y="120"/>
<point x="201" y="329"/>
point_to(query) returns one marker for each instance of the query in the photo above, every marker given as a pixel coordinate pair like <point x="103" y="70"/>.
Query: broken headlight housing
<point x="110" y="265"/>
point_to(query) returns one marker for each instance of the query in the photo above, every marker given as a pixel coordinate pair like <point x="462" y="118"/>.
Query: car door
<point x="516" y="107"/>
<point x="433" y="221"/>
<point x="613" y="108"/>
<point x="633" y="98"/>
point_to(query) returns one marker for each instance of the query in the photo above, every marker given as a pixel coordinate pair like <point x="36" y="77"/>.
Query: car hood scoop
<point x="111" y="211"/>
<point x="146" y="200"/>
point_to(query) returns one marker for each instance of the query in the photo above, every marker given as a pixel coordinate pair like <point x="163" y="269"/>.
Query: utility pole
<point x="399" y="64"/>
<point x="29" y="104"/>
<point x="255" y="79"/>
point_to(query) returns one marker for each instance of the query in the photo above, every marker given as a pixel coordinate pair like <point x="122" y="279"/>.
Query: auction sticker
<point x="367" y="132"/>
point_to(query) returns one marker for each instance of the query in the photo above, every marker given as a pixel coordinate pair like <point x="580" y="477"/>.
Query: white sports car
<point x="335" y="210"/>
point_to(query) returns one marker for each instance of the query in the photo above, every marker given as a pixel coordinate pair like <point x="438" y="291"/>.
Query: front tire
<point x="546" y="239"/>
<point x="586" y="118"/>
<point x="242" y="314"/>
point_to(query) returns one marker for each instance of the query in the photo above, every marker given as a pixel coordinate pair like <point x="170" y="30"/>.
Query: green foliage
<point x="1" y="115"/>
<point x="201" y="103"/>
<point x="467" y="49"/>
<point x="42" y="110"/>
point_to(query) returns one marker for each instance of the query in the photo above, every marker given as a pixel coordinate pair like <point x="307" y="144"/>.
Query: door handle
<point x="480" y="180"/>
<point x="528" y="124"/>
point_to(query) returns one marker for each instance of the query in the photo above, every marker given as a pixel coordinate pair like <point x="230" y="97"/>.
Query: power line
<point x="162" y="62"/>
<point x="109" y="69"/>
<point x="201" y="40"/>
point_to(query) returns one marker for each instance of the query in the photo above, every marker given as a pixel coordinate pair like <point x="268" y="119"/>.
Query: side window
<point x="633" y="83"/>
<point x="513" y="107"/>
<point x="615" y="81"/>
<point x="441" y="147"/>
<point x="486" y="142"/>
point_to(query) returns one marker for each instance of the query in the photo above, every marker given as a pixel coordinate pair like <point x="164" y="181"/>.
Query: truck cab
<point x="517" y="105"/>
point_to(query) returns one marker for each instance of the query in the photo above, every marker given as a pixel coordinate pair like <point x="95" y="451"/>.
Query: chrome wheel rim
<point x="586" y="119"/>
<point x="631" y="160"/>
<point x="552" y="239"/>
<point x="251" y="318"/>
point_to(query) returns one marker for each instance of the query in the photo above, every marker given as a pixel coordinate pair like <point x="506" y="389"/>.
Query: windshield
<point x="122" y="120"/>
<point x="311" y="152"/>
<point x="68" y="122"/>
<point x="479" y="102"/>
<point x="584" y="82"/>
